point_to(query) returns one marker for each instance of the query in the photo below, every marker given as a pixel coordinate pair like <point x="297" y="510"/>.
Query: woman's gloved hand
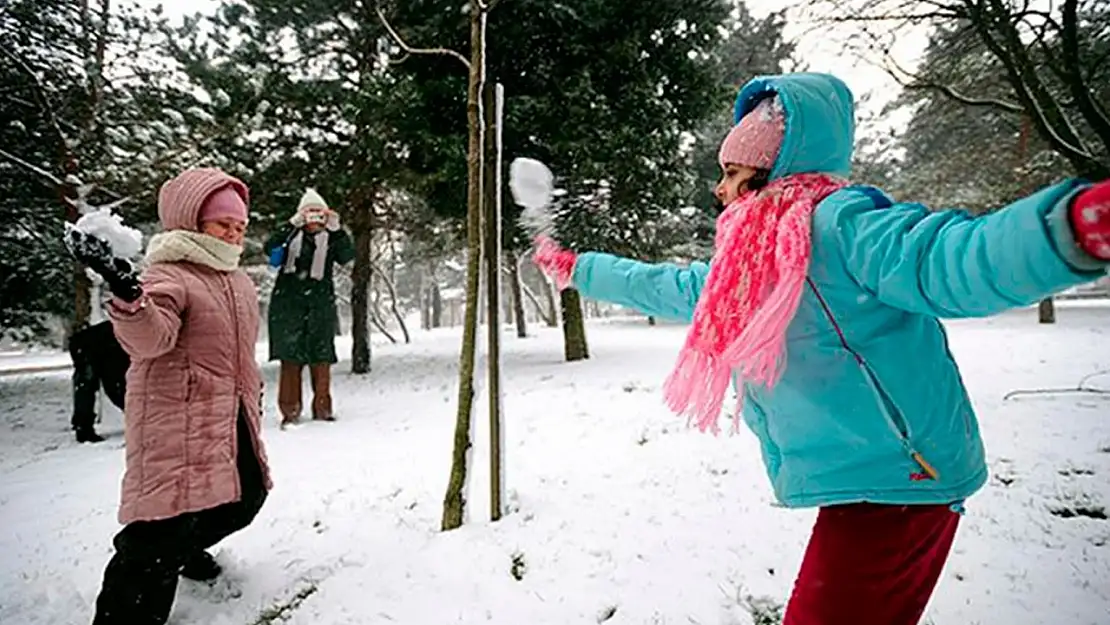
<point x="96" y="254"/>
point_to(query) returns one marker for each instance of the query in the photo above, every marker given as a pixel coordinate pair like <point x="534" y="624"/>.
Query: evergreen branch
<point x="40" y="95"/>
<point x="31" y="167"/>
<point x="411" y="50"/>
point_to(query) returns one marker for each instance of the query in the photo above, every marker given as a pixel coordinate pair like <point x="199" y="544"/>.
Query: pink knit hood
<point x="182" y="197"/>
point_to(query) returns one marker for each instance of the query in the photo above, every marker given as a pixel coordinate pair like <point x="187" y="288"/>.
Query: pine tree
<point x="93" y="119"/>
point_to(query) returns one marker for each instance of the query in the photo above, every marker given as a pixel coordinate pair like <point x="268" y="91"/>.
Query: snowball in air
<point x="531" y="183"/>
<point x="102" y="223"/>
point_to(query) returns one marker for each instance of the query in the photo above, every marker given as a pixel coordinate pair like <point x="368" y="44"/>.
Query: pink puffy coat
<point x="192" y="345"/>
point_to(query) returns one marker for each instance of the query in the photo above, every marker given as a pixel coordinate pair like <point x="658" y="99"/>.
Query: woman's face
<point x="227" y="230"/>
<point x="734" y="183"/>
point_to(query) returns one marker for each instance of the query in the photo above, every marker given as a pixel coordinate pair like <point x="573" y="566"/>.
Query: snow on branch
<point x="40" y="95"/>
<point x="411" y="50"/>
<point x="56" y="181"/>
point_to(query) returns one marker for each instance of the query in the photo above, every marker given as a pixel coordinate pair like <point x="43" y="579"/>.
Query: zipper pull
<point x="925" y="466"/>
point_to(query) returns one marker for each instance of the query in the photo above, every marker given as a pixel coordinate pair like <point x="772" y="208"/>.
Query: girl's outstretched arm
<point x="953" y="264"/>
<point x="663" y="290"/>
<point x="659" y="290"/>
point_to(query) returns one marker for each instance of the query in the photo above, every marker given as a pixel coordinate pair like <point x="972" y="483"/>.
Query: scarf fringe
<point x="758" y="355"/>
<point x="750" y="297"/>
<point x="696" y="388"/>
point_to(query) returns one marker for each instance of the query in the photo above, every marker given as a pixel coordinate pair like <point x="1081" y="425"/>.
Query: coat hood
<point x="181" y="197"/>
<point x="820" y="121"/>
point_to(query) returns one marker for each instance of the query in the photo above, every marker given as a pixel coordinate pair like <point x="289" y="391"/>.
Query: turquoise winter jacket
<point x="869" y="383"/>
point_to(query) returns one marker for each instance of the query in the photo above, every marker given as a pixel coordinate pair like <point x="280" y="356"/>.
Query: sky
<point x="820" y="47"/>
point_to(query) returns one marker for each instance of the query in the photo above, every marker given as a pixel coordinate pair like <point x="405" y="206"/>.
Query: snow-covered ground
<point x="618" y="513"/>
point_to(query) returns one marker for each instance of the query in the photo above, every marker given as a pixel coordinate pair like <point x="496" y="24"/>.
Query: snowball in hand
<point x="531" y="183"/>
<point x="102" y="223"/>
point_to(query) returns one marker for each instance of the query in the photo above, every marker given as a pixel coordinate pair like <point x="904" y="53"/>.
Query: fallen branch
<point x="283" y="611"/>
<point x="1078" y="388"/>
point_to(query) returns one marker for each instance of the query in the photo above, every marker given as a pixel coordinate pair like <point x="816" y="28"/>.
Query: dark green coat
<point x="302" y="320"/>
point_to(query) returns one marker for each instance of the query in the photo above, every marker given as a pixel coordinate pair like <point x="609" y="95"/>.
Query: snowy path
<point x="620" y="514"/>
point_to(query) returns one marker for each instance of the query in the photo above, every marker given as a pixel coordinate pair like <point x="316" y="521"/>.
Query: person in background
<point x="817" y="291"/>
<point x="196" y="466"/>
<point x="303" y="315"/>
<point x="99" y="362"/>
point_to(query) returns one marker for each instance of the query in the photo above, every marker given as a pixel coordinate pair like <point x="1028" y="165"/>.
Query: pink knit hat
<point x="182" y="197"/>
<point x="756" y="140"/>
<point x="223" y="204"/>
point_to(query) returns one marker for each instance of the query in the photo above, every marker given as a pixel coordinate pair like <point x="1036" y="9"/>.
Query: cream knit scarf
<point x="194" y="247"/>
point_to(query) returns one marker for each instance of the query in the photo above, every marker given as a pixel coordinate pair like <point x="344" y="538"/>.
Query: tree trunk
<point x="513" y="266"/>
<point x="422" y="300"/>
<point x="574" y="327"/>
<point x="491" y="196"/>
<point x="436" y="304"/>
<point x="549" y="297"/>
<point x="363" y="235"/>
<point x="1046" y="311"/>
<point x="454" y="501"/>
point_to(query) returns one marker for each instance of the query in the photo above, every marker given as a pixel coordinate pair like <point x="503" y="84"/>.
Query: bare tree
<point x="1048" y="55"/>
<point x="454" y="502"/>
<point x="1053" y="59"/>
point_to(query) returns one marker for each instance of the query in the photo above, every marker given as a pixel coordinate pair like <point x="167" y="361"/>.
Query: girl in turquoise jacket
<point x="823" y="303"/>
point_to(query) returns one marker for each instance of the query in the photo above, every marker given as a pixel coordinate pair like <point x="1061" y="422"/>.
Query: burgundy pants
<point x="870" y="564"/>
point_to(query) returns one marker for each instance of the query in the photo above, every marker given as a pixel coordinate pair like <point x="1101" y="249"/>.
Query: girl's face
<point x="734" y="183"/>
<point x="228" y="230"/>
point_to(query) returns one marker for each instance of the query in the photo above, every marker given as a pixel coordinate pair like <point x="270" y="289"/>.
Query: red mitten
<point x="1090" y="217"/>
<point x="556" y="262"/>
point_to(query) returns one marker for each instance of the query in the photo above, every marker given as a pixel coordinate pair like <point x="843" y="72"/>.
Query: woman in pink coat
<point x="196" y="467"/>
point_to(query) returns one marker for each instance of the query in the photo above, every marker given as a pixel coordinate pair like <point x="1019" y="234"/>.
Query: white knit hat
<point x="311" y="199"/>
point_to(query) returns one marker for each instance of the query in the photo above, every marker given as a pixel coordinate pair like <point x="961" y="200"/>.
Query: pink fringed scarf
<point x="750" y="296"/>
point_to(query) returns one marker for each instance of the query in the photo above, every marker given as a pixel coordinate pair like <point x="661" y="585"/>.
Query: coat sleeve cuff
<point x="1063" y="236"/>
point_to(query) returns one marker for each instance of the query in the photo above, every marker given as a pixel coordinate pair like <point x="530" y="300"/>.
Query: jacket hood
<point x="181" y="197"/>
<point x="820" y="121"/>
